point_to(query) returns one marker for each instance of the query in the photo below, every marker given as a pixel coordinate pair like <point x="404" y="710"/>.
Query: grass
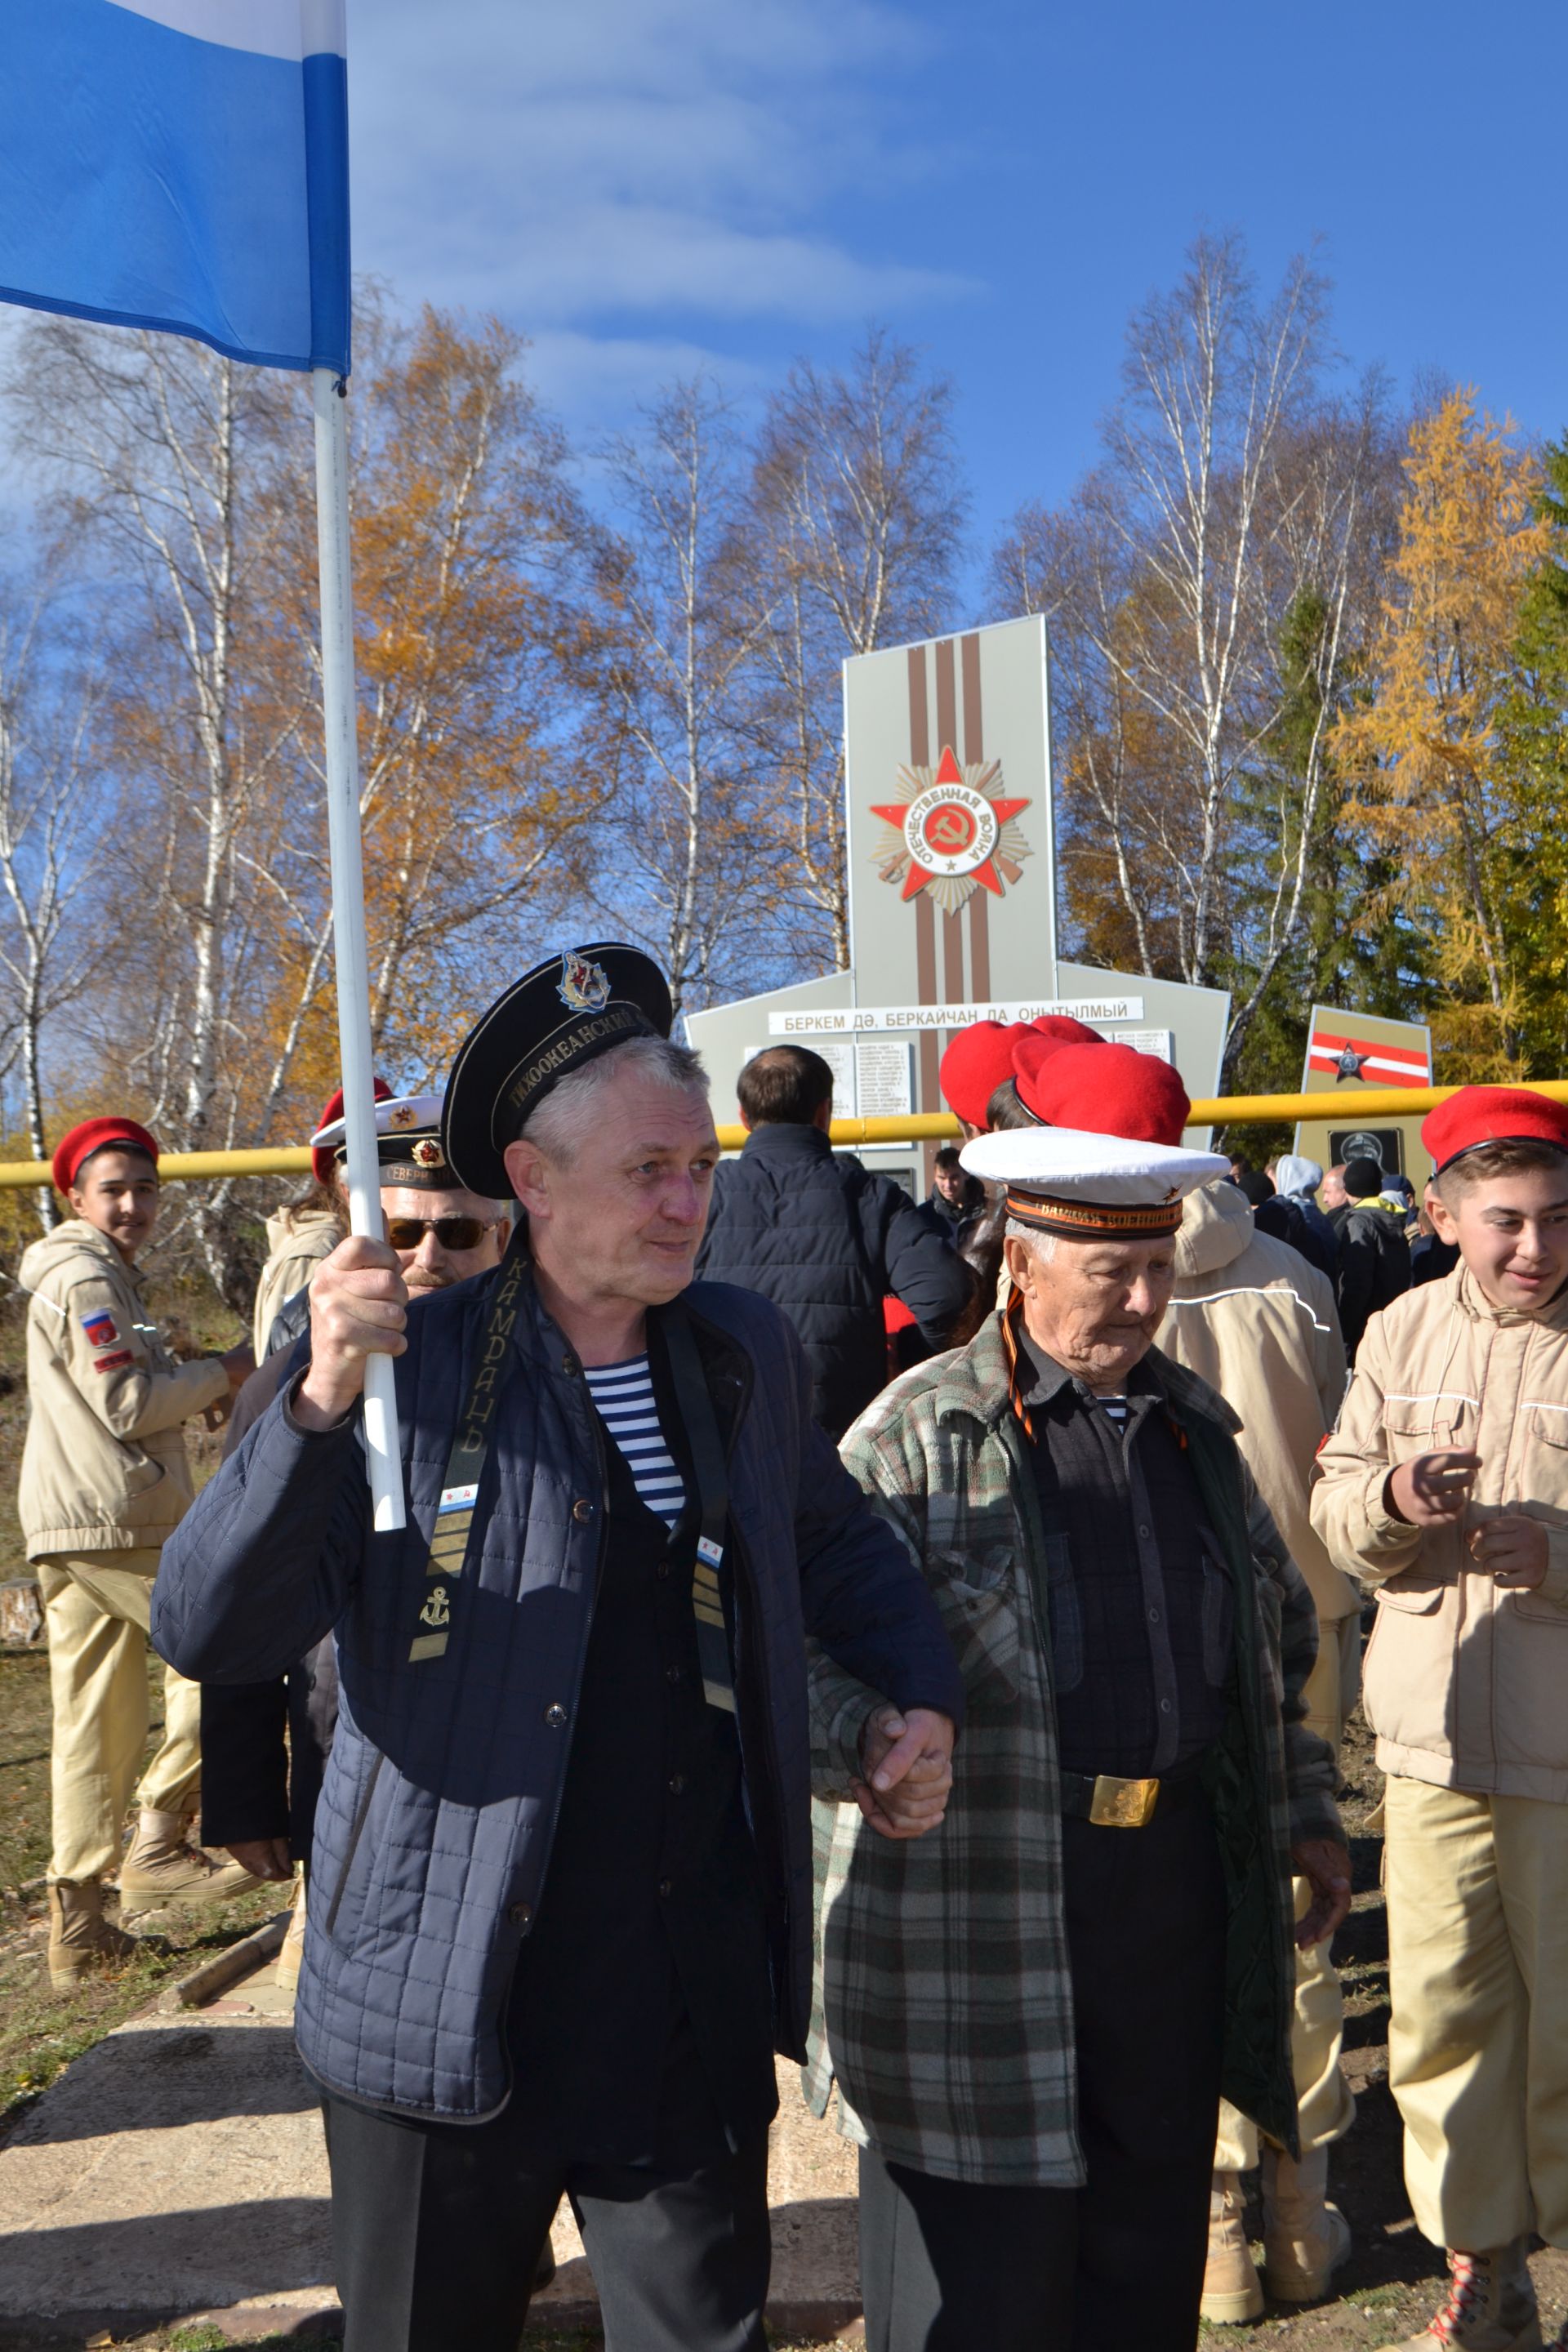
<point x="42" y="2030"/>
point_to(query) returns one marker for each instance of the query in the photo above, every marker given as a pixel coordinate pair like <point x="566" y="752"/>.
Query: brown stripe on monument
<point x="979" y="944"/>
<point x="946" y="695"/>
<point x="952" y="957"/>
<point x="974" y="727"/>
<point x="925" y="950"/>
<point x="920" y="723"/>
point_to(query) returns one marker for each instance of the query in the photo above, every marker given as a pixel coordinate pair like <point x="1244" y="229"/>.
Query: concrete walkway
<point x="176" y="2171"/>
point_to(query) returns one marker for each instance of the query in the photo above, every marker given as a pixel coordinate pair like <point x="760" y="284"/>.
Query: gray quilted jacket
<point x="434" y="1831"/>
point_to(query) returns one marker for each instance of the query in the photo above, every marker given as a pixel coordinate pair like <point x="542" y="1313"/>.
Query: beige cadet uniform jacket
<point x="1251" y="1317"/>
<point x="1465" y="1683"/>
<point x="104" y="1465"/>
<point x="297" y="1241"/>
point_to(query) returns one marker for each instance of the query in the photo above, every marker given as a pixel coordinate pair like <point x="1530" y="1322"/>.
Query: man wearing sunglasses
<point x="253" y="1802"/>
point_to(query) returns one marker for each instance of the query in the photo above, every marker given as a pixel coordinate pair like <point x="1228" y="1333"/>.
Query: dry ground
<point x="1384" y="2293"/>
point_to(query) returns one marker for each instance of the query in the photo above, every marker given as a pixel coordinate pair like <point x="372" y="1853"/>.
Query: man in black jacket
<point x="827" y="1241"/>
<point x="1374" y="1256"/>
<point x="563" y="1846"/>
<point x="955" y="1198"/>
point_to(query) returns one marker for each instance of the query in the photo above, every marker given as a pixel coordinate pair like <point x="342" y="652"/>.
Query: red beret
<point x="974" y="1065"/>
<point x="980" y="1058"/>
<point x="96" y="1135"/>
<point x="1104" y="1089"/>
<point x="323" y="1162"/>
<point x="1492" y="1115"/>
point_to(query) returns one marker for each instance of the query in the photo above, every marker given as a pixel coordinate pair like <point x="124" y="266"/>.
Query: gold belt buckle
<point x="1122" y="1804"/>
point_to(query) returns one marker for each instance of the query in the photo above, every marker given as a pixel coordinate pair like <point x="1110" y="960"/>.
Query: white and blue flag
<point x="180" y="164"/>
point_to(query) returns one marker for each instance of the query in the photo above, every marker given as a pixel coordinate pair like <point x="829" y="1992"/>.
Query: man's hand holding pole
<point x="359" y="1309"/>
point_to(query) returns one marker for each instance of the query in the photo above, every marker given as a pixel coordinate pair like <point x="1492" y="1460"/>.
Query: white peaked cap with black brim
<point x="1063" y="1180"/>
<point x="407" y="1144"/>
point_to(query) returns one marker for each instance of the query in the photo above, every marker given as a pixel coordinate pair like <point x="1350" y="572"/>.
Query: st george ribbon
<point x="182" y="166"/>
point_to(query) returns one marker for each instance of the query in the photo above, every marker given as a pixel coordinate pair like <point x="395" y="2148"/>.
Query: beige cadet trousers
<point x="1325" y="2104"/>
<point x="1478" y="2040"/>
<point x="96" y="1606"/>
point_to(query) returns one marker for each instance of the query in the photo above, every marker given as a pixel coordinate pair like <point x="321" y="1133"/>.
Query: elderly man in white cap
<point x="1031" y="2017"/>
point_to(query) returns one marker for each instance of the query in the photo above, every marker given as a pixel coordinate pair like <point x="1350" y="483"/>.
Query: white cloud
<point x="598" y="378"/>
<point x="578" y="163"/>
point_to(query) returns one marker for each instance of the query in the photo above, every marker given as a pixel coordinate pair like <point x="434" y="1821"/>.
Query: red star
<point x="893" y="812"/>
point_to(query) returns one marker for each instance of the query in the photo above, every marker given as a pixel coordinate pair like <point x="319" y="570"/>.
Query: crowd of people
<point x="914" y="1637"/>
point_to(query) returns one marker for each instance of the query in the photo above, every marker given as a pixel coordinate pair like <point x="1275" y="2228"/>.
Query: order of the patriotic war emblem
<point x="950" y="833"/>
<point x="583" y="986"/>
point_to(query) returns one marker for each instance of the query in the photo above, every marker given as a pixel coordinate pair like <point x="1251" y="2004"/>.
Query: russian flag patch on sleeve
<point x="101" y="1327"/>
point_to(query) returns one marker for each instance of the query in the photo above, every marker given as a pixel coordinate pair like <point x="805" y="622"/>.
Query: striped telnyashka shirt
<point x="625" y="1398"/>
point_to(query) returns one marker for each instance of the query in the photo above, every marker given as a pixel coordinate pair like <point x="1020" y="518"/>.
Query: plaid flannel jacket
<point x="943" y="2000"/>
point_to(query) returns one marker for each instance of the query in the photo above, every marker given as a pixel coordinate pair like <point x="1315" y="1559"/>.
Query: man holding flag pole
<point x="563" y="1847"/>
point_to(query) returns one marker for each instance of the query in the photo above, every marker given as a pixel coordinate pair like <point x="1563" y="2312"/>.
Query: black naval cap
<point x="566" y="1012"/>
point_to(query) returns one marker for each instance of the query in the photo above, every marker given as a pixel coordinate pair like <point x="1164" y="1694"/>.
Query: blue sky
<point x="649" y="186"/>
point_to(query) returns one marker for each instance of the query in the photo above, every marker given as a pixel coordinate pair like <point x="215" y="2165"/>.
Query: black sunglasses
<point x="452" y="1233"/>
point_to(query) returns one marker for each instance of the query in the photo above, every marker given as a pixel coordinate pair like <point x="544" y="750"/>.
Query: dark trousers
<point x="955" y="2266"/>
<point x="437" y="2229"/>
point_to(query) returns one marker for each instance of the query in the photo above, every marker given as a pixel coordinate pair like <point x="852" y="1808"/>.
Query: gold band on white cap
<point x="1095" y="1220"/>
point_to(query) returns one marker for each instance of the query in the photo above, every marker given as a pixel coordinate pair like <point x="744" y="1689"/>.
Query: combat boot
<point x="1305" y="2239"/>
<point x="1232" y="2291"/>
<point x="80" y="1939"/>
<point x="162" y="1868"/>
<point x="1491" y="2306"/>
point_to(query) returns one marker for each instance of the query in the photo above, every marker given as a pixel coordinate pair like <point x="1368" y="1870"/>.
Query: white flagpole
<point x="348" y="905"/>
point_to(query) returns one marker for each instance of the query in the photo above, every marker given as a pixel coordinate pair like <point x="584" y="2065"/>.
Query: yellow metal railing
<point x="927" y="1127"/>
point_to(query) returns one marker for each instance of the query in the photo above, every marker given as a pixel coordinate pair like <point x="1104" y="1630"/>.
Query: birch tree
<point x="854" y="529"/>
<point x="696" y="872"/>
<point x="1235" y="494"/>
<point x="172" y="455"/>
<point x="56" y="818"/>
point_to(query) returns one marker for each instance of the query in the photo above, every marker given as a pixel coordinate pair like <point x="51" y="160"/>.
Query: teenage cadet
<point x="1444" y="1488"/>
<point x="104" y="1482"/>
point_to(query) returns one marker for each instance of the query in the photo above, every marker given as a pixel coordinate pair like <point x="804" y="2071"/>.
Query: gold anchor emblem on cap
<point x="436" y="1611"/>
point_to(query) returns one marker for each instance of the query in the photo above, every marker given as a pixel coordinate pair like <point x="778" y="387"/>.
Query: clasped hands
<point x="1433" y="1490"/>
<point x="908" y="1760"/>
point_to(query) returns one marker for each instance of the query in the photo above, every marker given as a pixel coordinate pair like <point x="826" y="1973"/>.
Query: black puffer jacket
<point x="827" y="1241"/>
<point x="1374" y="1268"/>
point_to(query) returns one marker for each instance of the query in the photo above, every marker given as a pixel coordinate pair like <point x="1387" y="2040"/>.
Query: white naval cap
<point x="399" y="1114"/>
<point x="408" y="1142"/>
<point x="1091" y="1187"/>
